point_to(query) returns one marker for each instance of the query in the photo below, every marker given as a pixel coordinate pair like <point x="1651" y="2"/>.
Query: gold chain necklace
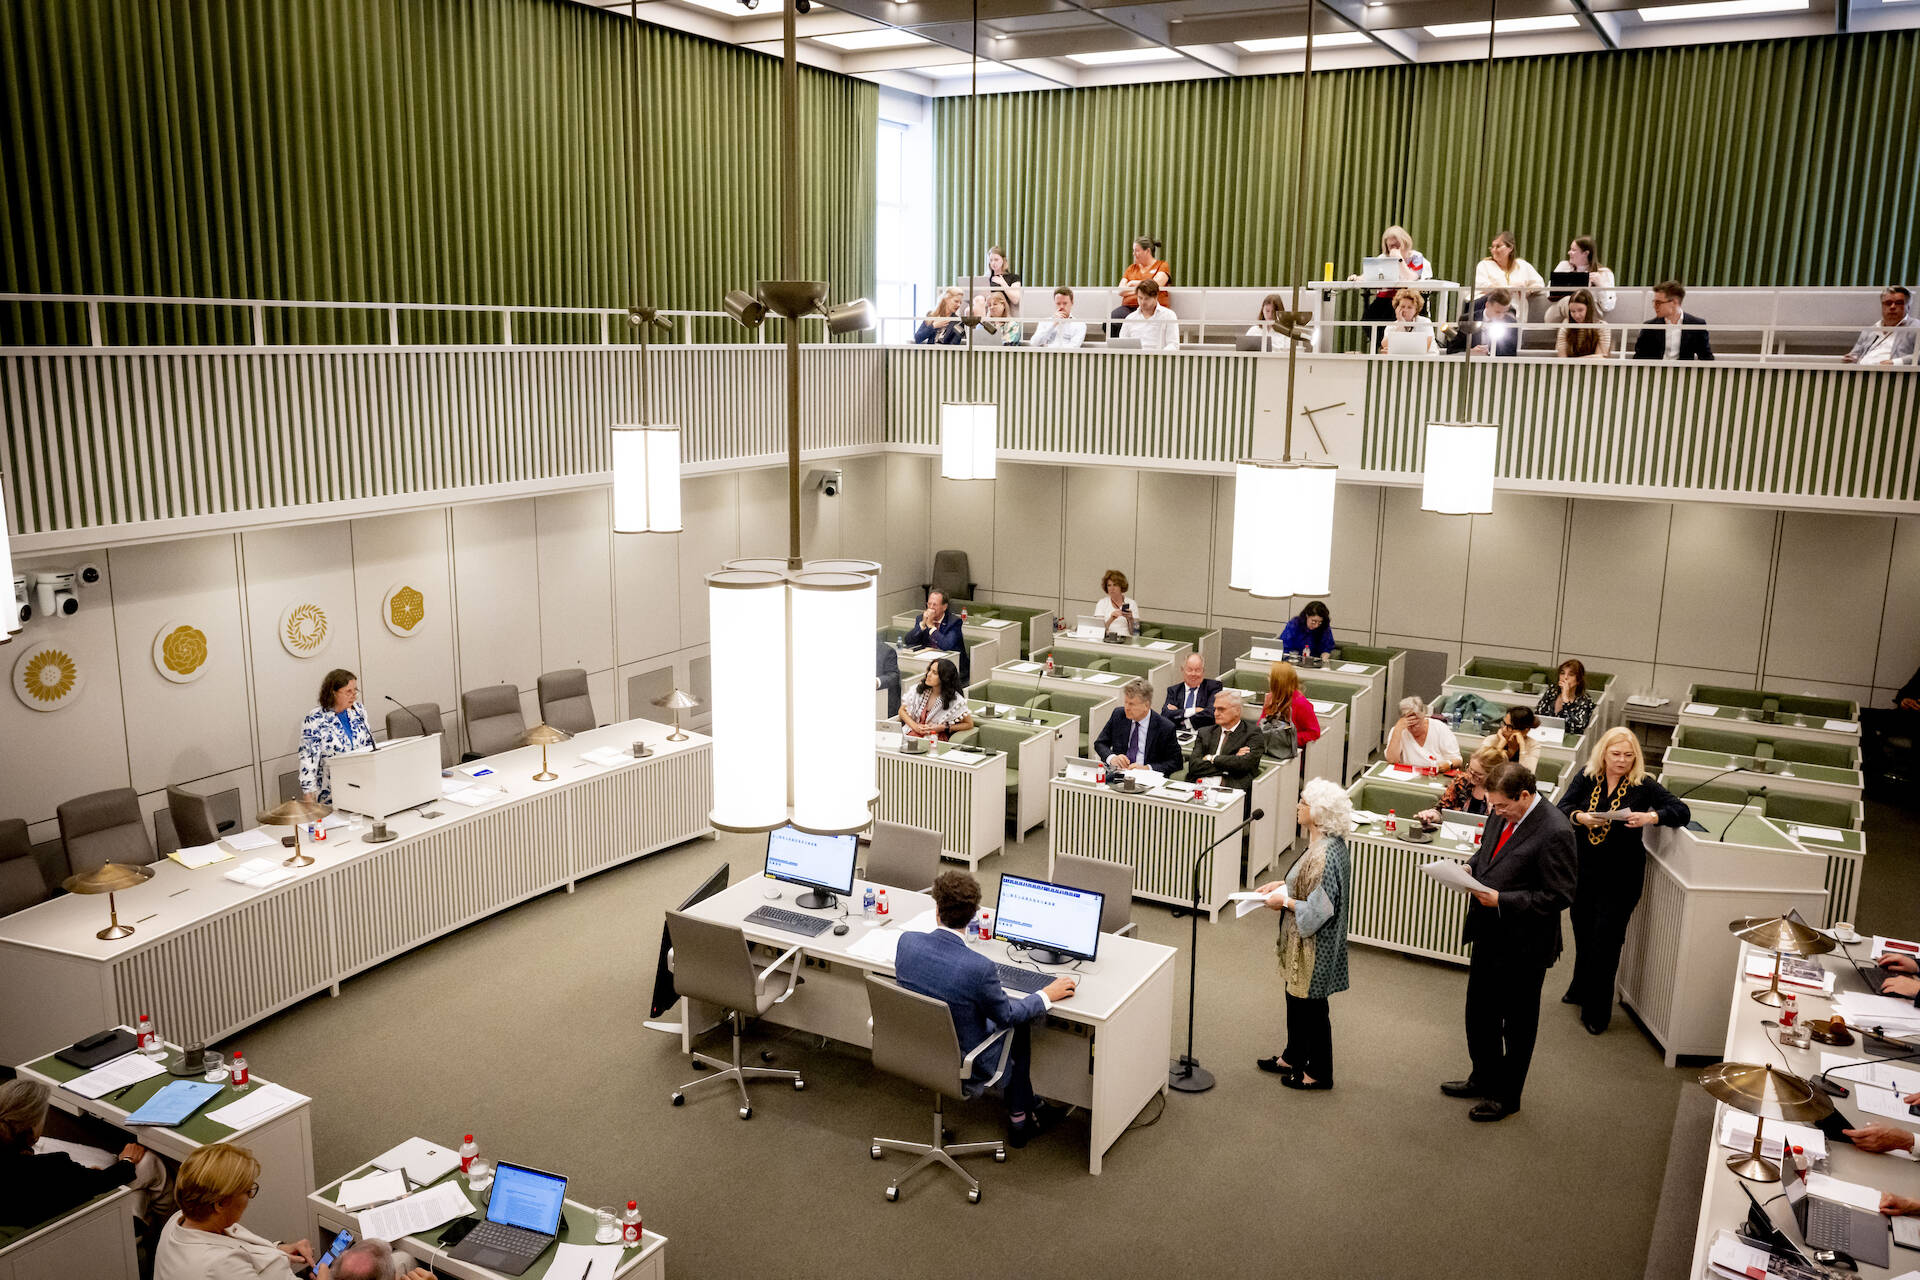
<point x="1598" y="835"/>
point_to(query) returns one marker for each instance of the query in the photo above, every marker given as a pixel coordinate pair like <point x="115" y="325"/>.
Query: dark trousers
<point x="1309" y="1037"/>
<point x="1503" y="1017"/>
<point x="1890" y="748"/>
<point x="1600" y="915"/>
<point x="1116" y="316"/>
<point x="1376" y="313"/>
<point x="1017" y="1085"/>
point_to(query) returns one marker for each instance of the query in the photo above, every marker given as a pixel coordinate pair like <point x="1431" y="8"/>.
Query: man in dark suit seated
<point x="1190" y="703"/>
<point x="935" y="628"/>
<point x="941" y="964"/>
<point x="1679" y="336"/>
<point x="1526" y="861"/>
<point x="1138" y="737"/>
<point x="1230" y="748"/>
<point x="886" y="666"/>
<point x="1489" y="324"/>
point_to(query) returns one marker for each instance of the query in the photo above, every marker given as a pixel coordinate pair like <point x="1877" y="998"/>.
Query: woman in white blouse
<point x="1407" y="319"/>
<point x="1267" y="326"/>
<point x="1420" y="740"/>
<point x="1502" y="268"/>
<point x="1582" y="256"/>
<point x="205" y="1241"/>
<point x="937" y="706"/>
<point x="1116" y="607"/>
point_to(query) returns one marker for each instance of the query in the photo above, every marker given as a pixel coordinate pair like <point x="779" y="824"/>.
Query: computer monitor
<point x="1056" y="921"/>
<point x="824" y="864"/>
<point x="526" y="1198"/>
<point x="664" y="994"/>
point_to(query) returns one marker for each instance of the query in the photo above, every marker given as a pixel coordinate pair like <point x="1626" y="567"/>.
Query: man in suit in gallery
<point x="1527" y="864"/>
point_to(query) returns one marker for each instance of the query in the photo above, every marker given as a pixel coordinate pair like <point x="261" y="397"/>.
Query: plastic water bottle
<point x="880" y="903"/>
<point x="973" y="927"/>
<point x="1049" y="664"/>
<point x="1393" y="823"/>
<point x="237" y="1071"/>
<point x="866" y="903"/>
<point x="986" y="924"/>
<point x="467" y="1152"/>
<point x="630" y="1232"/>
<point x="149" y="1039"/>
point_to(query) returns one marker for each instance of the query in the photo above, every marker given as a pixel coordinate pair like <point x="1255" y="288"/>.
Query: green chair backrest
<point x="1809" y="809"/>
<point x="1380" y="796"/>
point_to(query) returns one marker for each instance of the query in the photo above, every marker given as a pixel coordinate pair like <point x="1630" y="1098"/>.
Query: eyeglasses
<point x="253" y="1191"/>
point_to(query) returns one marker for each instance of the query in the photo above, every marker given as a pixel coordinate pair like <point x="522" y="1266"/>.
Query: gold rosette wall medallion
<point x="180" y="652"/>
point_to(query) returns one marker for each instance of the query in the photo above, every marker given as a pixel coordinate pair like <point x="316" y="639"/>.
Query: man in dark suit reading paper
<point x="1527" y="864"/>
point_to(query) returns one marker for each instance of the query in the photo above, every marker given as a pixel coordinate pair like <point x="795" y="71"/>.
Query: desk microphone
<point x="363" y="720"/>
<point x="1822" y="1083"/>
<point x="410" y="711"/>
<point x="1752" y="793"/>
<point x="1739" y="768"/>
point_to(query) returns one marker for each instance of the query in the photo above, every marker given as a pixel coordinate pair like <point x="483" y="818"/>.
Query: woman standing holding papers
<point x="1613" y="862"/>
<point x="937" y="707"/>
<point x="338" y="725"/>
<point x="1312" y="902"/>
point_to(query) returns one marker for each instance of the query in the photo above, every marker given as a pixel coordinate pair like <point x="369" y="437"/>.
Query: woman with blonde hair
<point x="205" y="1241"/>
<point x="1312" y="902"/>
<point x="1611" y="800"/>
<point x="1466" y="791"/>
<point x="1285" y="704"/>
<point x="944" y="324"/>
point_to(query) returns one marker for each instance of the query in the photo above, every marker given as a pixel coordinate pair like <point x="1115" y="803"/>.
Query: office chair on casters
<point x="711" y="963"/>
<point x="1112" y="879"/>
<point x="903" y="857"/>
<point x="913" y="1038"/>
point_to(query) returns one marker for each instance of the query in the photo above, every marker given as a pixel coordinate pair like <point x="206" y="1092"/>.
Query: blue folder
<point x="174" y="1103"/>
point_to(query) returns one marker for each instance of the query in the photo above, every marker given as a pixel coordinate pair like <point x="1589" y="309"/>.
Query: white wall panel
<point x="1827" y="597"/>
<point x="308" y="564"/>
<point x="1103" y="505"/>
<point x="761" y="514"/>
<point x="1718" y="562"/>
<point x="181" y="731"/>
<point x="576" y="576"/>
<point x="1356" y="546"/>
<point x="496" y="569"/>
<point x="710" y="520"/>
<point x="411" y="550"/>
<point x="1027" y="522"/>
<point x="960" y="516"/>
<point x="862" y="510"/>
<point x="1900" y="628"/>
<point x="1172" y="537"/>
<point x="909" y="558"/>
<point x="1423" y="569"/>
<point x="1612" y="545"/>
<point x="647" y="590"/>
<point x="1513" y="573"/>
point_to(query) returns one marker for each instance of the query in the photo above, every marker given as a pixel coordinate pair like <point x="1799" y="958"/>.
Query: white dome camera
<point x="89" y="575"/>
<point x="22" y="606"/>
<point x="53" y="594"/>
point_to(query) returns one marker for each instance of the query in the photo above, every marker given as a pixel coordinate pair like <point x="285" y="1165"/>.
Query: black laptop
<point x="1561" y="284"/>
<point x="1828" y="1224"/>
<point x="523" y="1219"/>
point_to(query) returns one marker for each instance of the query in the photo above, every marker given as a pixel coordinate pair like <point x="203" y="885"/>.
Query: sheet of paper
<point x="440" y="1203"/>
<point x="200" y="855"/>
<point x="254" y="839"/>
<point x="1884" y="1075"/>
<point x="1736" y="1134"/>
<point x="1898" y="946"/>
<point x="1260" y="653"/>
<point x="1159" y="644"/>
<point x="117" y="1074"/>
<point x="262" y="873"/>
<point x="259" y="1102"/>
<point x="473" y="797"/>
<point x="1646" y="700"/>
<point x="375" y="1188"/>
<point x="960" y="755"/>
<point x="1844" y="726"/>
<point x="424" y="1161"/>
<point x="1023" y="666"/>
<point x="333" y="820"/>
<point x="607" y="757"/>
<point x="1759" y="968"/>
<point x="584" y="1261"/>
<point x="1698" y="709"/>
<point x="1732" y="1256"/>
<point x="1461" y="832"/>
<point x="888" y="741"/>
<point x="1365" y="817"/>
<point x="995" y="623"/>
<point x="877" y="944"/>
<point x="1906" y="1234"/>
<point x="1245" y="904"/>
<point x="1351" y="668"/>
<point x="1322" y="708"/>
<point x="1886" y="1103"/>
<point x="1864" y="1010"/>
<point x="1452" y="874"/>
<point x="1101" y="677"/>
<point x="1848" y="1193"/>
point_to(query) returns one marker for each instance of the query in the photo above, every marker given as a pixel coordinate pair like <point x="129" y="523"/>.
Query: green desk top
<point x="1081" y="675"/>
<point x="1718" y="760"/>
<point x="1375" y="655"/>
<point x="1748" y="828"/>
<point x="197" y="1127"/>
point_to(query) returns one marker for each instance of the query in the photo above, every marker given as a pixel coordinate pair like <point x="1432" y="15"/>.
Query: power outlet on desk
<point x="815" y="962"/>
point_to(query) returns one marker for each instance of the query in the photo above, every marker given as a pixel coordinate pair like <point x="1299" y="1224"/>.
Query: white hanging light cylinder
<point x="646" y="478"/>
<point x="1282" y="528"/>
<point x="969" y="440"/>
<point x="1307" y="500"/>
<point x="747" y="628"/>
<point x="1459" y="475"/>
<point x="831" y="645"/>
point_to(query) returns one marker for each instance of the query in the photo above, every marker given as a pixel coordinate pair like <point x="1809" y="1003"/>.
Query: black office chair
<point x="21" y="882"/>
<point x="104" y="827"/>
<point x="565" y="702"/>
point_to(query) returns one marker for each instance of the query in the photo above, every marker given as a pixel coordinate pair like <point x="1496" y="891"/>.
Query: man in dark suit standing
<point x="941" y="964"/>
<point x="1678" y="336"/>
<point x="886" y="666"/>
<point x="1136" y="736"/>
<point x="1230" y="748"/>
<point x="1190" y="703"/>
<point x="1526" y="861"/>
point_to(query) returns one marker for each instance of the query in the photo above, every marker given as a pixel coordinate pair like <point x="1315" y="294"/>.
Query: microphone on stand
<point x="409" y="710"/>
<point x="1185" y="1074"/>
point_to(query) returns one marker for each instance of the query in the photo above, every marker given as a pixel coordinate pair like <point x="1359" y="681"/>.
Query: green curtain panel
<point x="449" y="151"/>
<point x="1778" y="163"/>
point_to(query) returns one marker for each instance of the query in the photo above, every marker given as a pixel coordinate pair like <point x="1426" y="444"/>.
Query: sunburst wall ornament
<point x="304" y="631"/>
<point x="403" y="609"/>
<point x="47" y="677"/>
<point x="180" y="652"/>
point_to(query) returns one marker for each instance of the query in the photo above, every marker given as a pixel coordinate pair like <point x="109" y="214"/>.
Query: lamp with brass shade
<point x="296" y="813"/>
<point x="677" y="701"/>
<point x="1783" y="935"/>
<point x="543" y="736"/>
<point x="1766" y="1093"/>
<point x="109" y="878"/>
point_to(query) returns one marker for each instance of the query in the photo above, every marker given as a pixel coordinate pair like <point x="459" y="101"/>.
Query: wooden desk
<point x="359" y="904"/>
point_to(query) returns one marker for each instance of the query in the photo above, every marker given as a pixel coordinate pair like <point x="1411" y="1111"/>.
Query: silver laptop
<point x="1123" y="344"/>
<point x="1380" y="270"/>
<point x="1252" y="341"/>
<point x="1553" y="722"/>
<point x="1828" y="1224"/>
<point x="1402" y="343"/>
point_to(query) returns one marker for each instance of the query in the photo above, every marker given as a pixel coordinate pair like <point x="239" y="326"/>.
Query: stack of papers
<point x="607" y="757"/>
<point x="375" y="1188"/>
<point x="1800" y="975"/>
<point x="1646" y="700"/>
<point x="1736" y="1134"/>
<point x="1852" y="1194"/>
<point x="258" y="1103"/>
<point x="254" y="839"/>
<point x="1882" y="945"/>
<point x="262" y="873"/>
<point x="336" y="819"/>
<point x="117" y="1074"/>
<point x="1245" y="904"/>
<point x="440" y="1203"/>
<point x="1461" y="832"/>
<point x="201" y="855"/>
<point x="1731" y="1257"/>
<point x="1453" y="874"/>
<point x="423" y="1161"/>
<point x="1892" y="1016"/>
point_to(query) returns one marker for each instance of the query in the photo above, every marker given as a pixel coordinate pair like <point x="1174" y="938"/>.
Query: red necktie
<point x="1501" y="844"/>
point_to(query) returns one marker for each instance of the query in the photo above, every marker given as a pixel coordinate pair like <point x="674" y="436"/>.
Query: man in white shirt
<point x="1063" y="330"/>
<point x="1892" y="340"/>
<point x="1157" y="328"/>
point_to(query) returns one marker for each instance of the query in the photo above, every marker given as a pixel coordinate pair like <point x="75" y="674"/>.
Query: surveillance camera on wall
<point x="89" y="575"/>
<point x="828" y="483"/>
<point x="22" y="606"/>
<point x="53" y="594"/>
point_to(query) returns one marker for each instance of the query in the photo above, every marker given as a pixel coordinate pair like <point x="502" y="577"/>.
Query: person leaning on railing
<point x="1892" y="340"/>
<point x="1063" y="331"/>
<point x="1679" y="335"/>
<point x="1490" y="326"/>
<point x="1576" y="341"/>
<point x="943" y="323"/>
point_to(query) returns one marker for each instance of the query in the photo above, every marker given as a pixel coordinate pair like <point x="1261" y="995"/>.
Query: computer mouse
<point x="839" y="929"/>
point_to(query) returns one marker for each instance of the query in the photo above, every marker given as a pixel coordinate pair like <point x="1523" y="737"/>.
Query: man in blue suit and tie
<point x="935" y="628"/>
<point x="941" y="964"/>
<point x="1136" y="736"/>
<point x="1190" y="703"/>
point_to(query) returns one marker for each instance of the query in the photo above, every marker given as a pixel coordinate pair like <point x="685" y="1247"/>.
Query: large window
<point x="903" y="221"/>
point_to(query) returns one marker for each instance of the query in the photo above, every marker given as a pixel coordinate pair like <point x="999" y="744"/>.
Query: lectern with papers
<point x="398" y="775"/>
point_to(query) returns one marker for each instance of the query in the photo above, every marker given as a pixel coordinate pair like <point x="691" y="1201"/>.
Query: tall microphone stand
<point x="1184" y="1073"/>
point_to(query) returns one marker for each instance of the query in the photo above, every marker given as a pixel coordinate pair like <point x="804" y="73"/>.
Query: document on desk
<point x="960" y="755"/>
<point x="1736" y="1134"/>
<point x="1801" y="831"/>
<point x="423" y="1161"/>
<point x="261" y="873"/>
<point x="1883" y="945"/>
<point x="1851" y="1194"/>
<point x="375" y="1188"/>
<point x="1023" y="667"/>
<point x="1453" y="874"/>
<point x="117" y="1074"/>
<point x="1844" y="726"/>
<point x="995" y="623"/>
<point x="585" y="1261"/>
<point x="608" y="757"/>
<point x="1461" y="833"/>
<point x="200" y="855"/>
<point x="1351" y="668"/>
<point x="1729" y="1255"/>
<point x="1894" y="1015"/>
<point x="254" y="839"/>
<point x="1159" y="644"/>
<point x="1102" y="677"/>
<point x="1699" y="709"/>
<point x="1880" y="1075"/>
<point x="259" y="1102"/>
<point x="440" y="1203"/>
<point x="1886" y="1103"/>
<point x="473" y="797"/>
<point x="1551" y="735"/>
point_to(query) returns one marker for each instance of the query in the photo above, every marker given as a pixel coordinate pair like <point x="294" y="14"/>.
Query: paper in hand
<point x="1453" y="874"/>
<point x="1245" y="904"/>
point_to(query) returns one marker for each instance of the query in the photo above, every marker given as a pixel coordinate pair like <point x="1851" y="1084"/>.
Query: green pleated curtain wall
<point x="450" y="151"/>
<point x="1778" y="163"/>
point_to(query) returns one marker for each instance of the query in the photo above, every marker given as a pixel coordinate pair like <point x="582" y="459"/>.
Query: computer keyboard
<point x="1025" y="981"/>
<point x="498" y="1235"/>
<point x="790" y="921"/>
<point x="1829" y="1224"/>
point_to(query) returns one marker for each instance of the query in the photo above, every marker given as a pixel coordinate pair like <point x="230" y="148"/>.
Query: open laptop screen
<point x="528" y="1198"/>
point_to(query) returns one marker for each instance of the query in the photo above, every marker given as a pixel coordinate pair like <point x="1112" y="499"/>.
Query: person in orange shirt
<point x="1146" y="265"/>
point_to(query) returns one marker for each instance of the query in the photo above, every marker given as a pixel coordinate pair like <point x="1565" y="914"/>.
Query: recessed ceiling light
<point x="1505" y="26"/>
<point x="1281" y="44"/>
<point x="880" y="38"/>
<point x="1110" y="57"/>
<point x="1719" y="9"/>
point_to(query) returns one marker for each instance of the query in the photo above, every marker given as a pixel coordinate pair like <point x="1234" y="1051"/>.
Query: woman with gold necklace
<point x="1610" y="800"/>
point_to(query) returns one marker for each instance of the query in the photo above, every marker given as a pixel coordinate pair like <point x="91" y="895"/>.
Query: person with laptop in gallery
<point x="937" y="706"/>
<point x="1146" y="265"/>
<point x="1410" y="333"/>
<point x="1267" y="327"/>
<point x="1312" y="902"/>
<point x="1136" y="736"/>
<point x="1679" y="335"/>
<point x="1610" y="801"/>
<point x="1489" y="325"/>
<point x="1583" y="259"/>
<point x="1228" y="747"/>
<point x="1892" y="340"/>
<point x="1502" y="268"/>
<point x="1411" y="264"/>
<point x="1152" y="324"/>
<point x="1189" y="704"/>
<point x="941" y="964"/>
<point x="1575" y="340"/>
<point x="1063" y="332"/>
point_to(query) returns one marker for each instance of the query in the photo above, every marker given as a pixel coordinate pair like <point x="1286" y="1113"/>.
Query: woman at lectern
<point x="335" y="727"/>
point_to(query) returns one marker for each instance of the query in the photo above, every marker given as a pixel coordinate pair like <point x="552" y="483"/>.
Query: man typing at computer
<point x="941" y="964"/>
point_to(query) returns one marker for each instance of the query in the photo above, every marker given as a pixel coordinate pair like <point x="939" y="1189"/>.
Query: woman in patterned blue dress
<point x="336" y="726"/>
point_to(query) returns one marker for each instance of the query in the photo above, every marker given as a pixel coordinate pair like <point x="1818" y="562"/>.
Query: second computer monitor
<point x="1049" y="917"/>
<point x="823" y="864"/>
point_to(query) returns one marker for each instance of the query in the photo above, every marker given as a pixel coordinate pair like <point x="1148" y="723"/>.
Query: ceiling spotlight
<point x="745" y="308"/>
<point x="803" y="6"/>
<point x="850" y="317"/>
<point x="749" y="4"/>
<point x="638" y="316"/>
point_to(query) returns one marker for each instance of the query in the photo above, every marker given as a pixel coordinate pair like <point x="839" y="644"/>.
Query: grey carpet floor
<point x="526" y="1030"/>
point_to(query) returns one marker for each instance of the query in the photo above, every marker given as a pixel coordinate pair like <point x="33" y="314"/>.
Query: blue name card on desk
<point x="174" y="1103"/>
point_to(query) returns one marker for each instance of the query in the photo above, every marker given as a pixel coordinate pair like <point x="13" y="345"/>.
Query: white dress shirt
<point x="1059" y="333"/>
<point x="1673" y="340"/>
<point x="1159" y="332"/>
<point x="1520" y="278"/>
<point x="1440" y="746"/>
<point x="1125" y="625"/>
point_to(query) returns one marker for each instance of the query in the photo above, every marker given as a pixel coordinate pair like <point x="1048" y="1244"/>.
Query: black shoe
<point x="1569" y="998"/>
<point x="1299" y="1081"/>
<point x="1045" y="1115"/>
<point x="1018" y="1131"/>
<point x="1276" y="1067"/>
<point x="1468" y="1088"/>
<point x="1594" y="1026"/>
<point x="1488" y="1111"/>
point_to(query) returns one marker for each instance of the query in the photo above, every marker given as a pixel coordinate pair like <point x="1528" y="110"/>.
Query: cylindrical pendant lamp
<point x="1459" y="474"/>
<point x="747" y="630"/>
<point x="646" y="478"/>
<point x="969" y="440"/>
